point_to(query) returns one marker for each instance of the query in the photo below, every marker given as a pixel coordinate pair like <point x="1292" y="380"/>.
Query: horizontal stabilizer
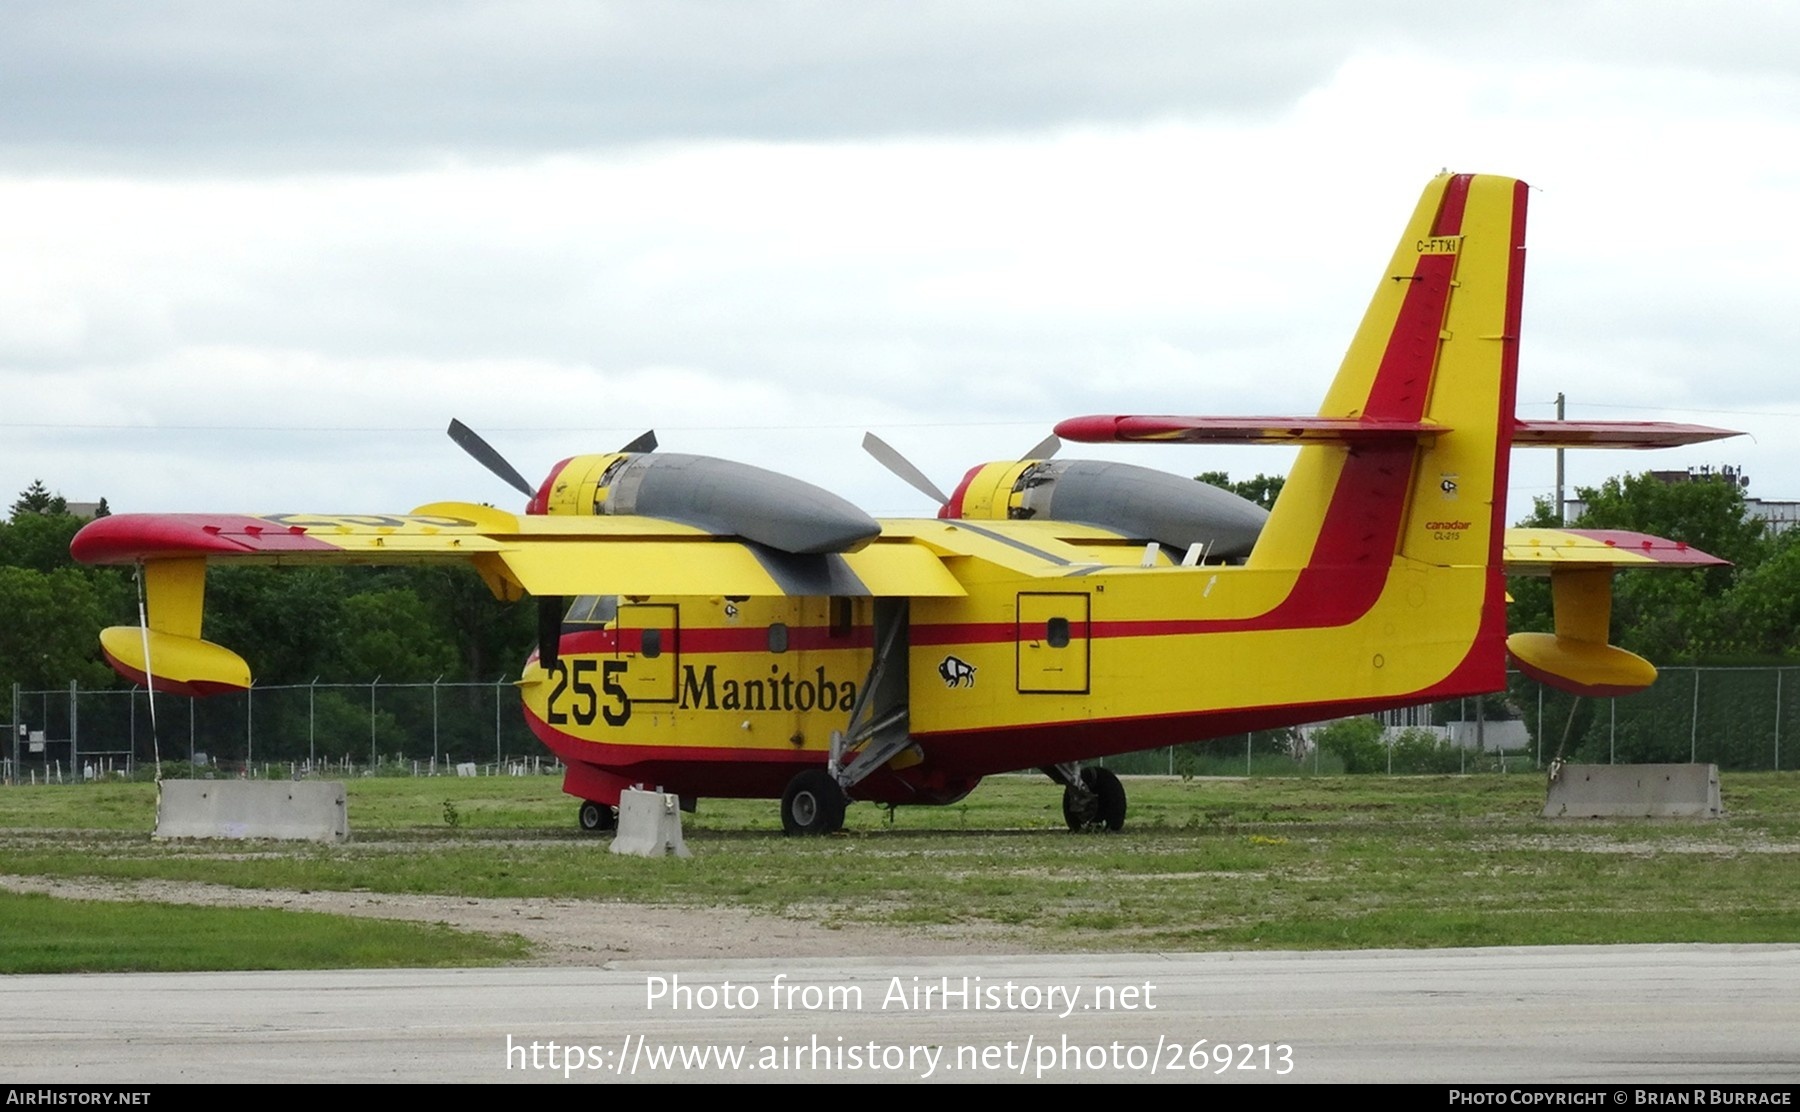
<point x="1104" y="429"/>
<point x="1613" y="434"/>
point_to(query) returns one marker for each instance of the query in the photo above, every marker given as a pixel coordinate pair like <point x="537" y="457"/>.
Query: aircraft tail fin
<point x="1437" y="349"/>
<point x="1399" y="488"/>
<point x="1436" y="353"/>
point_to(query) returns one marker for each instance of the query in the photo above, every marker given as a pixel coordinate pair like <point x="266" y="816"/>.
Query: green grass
<point x="1319" y="862"/>
<point x="535" y="805"/>
<point x="43" y="935"/>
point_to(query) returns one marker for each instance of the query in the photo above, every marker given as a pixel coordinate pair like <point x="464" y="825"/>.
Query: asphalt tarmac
<point x="1611" y="1017"/>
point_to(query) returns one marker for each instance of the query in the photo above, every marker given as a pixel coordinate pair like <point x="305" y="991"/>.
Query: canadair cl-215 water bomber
<point x="716" y="629"/>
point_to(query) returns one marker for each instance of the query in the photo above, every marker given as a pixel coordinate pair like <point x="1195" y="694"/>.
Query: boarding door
<point x="648" y="649"/>
<point x="1053" y="644"/>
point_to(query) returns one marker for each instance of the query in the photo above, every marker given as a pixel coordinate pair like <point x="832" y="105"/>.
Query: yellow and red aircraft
<point x="734" y="632"/>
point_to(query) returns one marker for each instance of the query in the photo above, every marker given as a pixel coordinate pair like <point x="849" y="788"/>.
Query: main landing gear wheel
<point x="1102" y="804"/>
<point x="813" y="804"/>
<point x="596" y="818"/>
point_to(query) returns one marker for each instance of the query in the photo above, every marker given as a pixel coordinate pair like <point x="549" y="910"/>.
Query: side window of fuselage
<point x="592" y="610"/>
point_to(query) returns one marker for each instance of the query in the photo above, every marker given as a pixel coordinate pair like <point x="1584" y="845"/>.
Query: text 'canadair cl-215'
<point x="720" y="630"/>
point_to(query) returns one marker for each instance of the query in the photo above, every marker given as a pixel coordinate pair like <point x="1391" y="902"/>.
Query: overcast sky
<point x="257" y="255"/>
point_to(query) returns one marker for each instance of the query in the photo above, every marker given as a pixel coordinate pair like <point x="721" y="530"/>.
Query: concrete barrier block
<point x="1634" y="791"/>
<point x="649" y="825"/>
<point x="298" y="810"/>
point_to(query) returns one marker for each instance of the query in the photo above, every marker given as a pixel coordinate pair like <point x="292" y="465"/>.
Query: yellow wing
<point x="516" y="555"/>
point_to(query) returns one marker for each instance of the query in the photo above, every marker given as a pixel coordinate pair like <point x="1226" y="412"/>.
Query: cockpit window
<point x="592" y="610"/>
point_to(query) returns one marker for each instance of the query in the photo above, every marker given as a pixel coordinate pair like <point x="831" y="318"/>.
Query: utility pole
<point x="1560" y="519"/>
<point x="19" y="732"/>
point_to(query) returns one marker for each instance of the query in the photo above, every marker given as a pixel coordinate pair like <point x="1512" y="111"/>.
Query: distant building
<point x="1492" y="735"/>
<point x="1777" y="517"/>
<point x="1505" y="735"/>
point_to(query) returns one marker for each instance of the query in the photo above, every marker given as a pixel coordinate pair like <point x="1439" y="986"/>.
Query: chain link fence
<point x="1737" y="718"/>
<point x="290" y="729"/>
<point x="1741" y="719"/>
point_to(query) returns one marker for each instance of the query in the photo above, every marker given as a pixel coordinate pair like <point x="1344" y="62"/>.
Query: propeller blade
<point x="900" y="466"/>
<point x="484" y="454"/>
<point x="1045" y="448"/>
<point x="644" y="443"/>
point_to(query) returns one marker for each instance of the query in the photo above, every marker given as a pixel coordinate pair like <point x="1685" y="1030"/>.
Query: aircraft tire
<point x="1101" y="805"/>
<point x="1112" y="796"/>
<point x="813" y="804"/>
<point x="1079" y="808"/>
<point x="596" y="818"/>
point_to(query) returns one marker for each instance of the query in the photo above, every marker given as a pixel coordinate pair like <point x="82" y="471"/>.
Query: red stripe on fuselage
<point x="620" y="757"/>
<point x="950" y="635"/>
<point x="693" y="771"/>
<point x="754" y="639"/>
<point x="976" y="753"/>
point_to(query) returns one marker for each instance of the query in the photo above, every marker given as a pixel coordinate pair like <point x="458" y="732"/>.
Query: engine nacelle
<point x="717" y="495"/>
<point x="1136" y="501"/>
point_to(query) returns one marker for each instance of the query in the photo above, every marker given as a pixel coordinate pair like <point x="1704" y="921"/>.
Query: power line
<point x="1675" y="409"/>
<point x="435" y="430"/>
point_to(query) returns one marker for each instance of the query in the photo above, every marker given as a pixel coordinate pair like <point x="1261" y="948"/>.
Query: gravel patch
<point x="569" y="931"/>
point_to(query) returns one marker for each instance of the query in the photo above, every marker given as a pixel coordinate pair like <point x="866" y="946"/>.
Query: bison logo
<point x="957" y="672"/>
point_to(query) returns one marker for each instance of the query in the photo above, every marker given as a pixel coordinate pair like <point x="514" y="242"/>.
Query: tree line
<point x="1746" y="613"/>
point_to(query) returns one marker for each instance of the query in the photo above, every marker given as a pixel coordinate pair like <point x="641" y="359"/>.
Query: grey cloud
<point x="334" y="83"/>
